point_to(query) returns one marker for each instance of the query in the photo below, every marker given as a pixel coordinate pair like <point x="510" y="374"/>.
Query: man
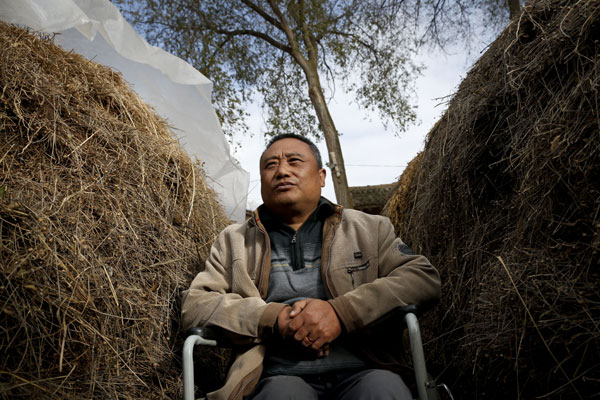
<point x="308" y="289"/>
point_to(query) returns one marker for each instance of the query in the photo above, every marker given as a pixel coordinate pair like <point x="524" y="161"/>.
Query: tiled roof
<point x="372" y="198"/>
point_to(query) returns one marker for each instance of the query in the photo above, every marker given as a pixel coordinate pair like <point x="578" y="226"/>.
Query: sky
<point x="372" y="155"/>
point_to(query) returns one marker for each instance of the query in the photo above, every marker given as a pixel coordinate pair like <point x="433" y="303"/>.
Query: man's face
<point x="290" y="178"/>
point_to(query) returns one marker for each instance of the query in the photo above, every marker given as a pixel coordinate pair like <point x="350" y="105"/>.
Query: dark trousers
<point x="369" y="384"/>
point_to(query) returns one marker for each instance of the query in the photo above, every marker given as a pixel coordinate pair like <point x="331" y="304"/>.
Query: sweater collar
<point x="271" y="221"/>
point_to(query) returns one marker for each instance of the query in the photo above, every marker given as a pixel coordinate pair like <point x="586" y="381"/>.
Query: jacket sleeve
<point x="225" y="296"/>
<point x="403" y="278"/>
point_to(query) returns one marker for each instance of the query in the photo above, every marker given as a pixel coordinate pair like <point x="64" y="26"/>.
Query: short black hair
<point x="313" y="147"/>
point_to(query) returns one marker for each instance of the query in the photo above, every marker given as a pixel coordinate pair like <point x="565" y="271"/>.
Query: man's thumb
<point x="297" y="307"/>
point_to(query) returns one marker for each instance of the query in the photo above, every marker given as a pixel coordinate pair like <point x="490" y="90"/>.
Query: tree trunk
<point x="514" y="8"/>
<point x="309" y="64"/>
<point x="332" y="140"/>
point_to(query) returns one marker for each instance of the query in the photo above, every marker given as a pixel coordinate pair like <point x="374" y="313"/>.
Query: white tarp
<point x="179" y="93"/>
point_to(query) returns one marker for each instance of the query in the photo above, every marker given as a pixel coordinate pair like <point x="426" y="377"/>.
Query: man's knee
<point x="283" y="387"/>
<point x="375" y="384"/>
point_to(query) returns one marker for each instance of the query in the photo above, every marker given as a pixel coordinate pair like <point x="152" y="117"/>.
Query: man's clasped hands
<point x="312" y="323"/>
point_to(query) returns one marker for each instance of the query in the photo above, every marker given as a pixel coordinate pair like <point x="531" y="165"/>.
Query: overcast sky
<point x="372" y="155"/>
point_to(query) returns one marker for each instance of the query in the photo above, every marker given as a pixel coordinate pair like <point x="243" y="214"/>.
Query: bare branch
<point x="217" y="49"/>
<point x="295" y="48"/>
<point x="307" y="36"/>
<point x="260" y="11"/>
<point x="356" y="38"/>
<point x="257" y="34"/>
<point x="329" y="72"/>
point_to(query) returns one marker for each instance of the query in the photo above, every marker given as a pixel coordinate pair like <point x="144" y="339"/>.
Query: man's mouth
<point x="284" y="186"/>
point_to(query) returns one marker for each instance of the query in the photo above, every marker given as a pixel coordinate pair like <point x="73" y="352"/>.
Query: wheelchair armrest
<point x="194" y="336"/>
<point x="218" y="335"/>
<point x="197" y="336"/>
<point x="427" y="389"/>
<point x="203" y="332"/>
<point x="419" y="309"/>
<point x="203" y="336"/>
<point x="411" y="308"/>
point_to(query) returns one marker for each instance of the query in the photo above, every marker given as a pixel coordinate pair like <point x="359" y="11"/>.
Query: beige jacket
<point x="366" y="270"/>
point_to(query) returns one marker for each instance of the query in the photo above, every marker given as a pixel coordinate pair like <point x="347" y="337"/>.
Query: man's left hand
<point x="315" y="323"/>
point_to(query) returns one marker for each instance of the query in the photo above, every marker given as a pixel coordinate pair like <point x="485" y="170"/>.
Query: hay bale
<point x="103" y="220"/>
<point x="507" y="203"/>
<point x="394" y="208"/>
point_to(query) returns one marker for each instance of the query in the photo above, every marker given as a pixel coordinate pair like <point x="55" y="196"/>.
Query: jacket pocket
<point x="349" y="275"/>
<point x="358" y="271"/>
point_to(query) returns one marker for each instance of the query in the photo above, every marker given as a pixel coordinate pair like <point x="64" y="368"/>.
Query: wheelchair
<point x="427" y="389"/>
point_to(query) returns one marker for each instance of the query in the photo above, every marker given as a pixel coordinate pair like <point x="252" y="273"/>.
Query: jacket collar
<point x="262" y="216"/>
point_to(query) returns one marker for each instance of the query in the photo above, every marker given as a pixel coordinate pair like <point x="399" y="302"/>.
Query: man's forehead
<point x="286" y="155"/>
<point x="287" y="147"/>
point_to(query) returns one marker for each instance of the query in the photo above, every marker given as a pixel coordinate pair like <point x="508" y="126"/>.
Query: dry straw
<point x="506" y="201"/>
<point x="103" y="220"/>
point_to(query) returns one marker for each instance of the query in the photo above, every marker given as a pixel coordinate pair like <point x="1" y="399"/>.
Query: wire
<point x="373" y="165"/>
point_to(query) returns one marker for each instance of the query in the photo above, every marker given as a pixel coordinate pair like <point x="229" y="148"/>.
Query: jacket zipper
<point x="297" y="255"/>
<point x="352" y="270"/>
<point x="294" y="252"/>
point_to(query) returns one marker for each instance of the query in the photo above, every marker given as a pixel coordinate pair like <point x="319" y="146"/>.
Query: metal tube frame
<point x="188" y="363"/>
<point x="418" y="357"/>
<point x="416" y="347"/>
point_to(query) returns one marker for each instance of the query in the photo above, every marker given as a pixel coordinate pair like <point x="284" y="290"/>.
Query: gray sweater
<point x="296" y="275"/>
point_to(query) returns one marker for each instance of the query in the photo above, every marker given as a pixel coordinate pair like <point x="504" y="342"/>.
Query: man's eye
<point x="270" y="165"/>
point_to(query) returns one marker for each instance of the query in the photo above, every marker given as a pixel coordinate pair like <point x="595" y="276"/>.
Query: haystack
<point x="506" y="202"/>
<point x="401" y="196"/>
<point x="103" y="220"/>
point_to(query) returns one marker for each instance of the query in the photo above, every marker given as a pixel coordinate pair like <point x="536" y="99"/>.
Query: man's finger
<point x="296" y="322"/>
<point x="283" y="320"/>
<point x="297" y="307"/>
<point x="319" y="344"/>
<point x="323" y="351"/>
<point x="301" y="335"/>
<point x="319" y="319"/>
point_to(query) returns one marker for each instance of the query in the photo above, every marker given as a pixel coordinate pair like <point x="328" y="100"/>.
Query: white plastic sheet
<point x="179" y="93"/>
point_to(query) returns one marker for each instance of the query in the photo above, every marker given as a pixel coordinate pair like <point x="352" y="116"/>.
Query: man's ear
<point x="322" y="175"/>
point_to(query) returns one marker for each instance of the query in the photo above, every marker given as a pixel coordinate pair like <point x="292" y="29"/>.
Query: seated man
<point x="301" y="284"/>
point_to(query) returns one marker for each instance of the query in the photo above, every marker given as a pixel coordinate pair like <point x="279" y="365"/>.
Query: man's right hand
<point x="283" y="322"/>
<point x="285" y="317"/>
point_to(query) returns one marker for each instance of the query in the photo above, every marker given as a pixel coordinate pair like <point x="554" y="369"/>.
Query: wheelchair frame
<point x="427" y="389"/>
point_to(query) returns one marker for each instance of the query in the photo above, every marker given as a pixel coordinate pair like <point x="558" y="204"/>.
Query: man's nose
<point x="283" y="170"/>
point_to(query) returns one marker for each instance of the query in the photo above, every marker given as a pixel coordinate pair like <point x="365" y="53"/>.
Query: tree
<point x="443" y="22"/>
<point x="285" y="51"/>
<point x="292" y="53"/>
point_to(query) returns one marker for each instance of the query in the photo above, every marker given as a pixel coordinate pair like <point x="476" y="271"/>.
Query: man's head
<point x="291" y="175"/>
<point x="313" y="148"/>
